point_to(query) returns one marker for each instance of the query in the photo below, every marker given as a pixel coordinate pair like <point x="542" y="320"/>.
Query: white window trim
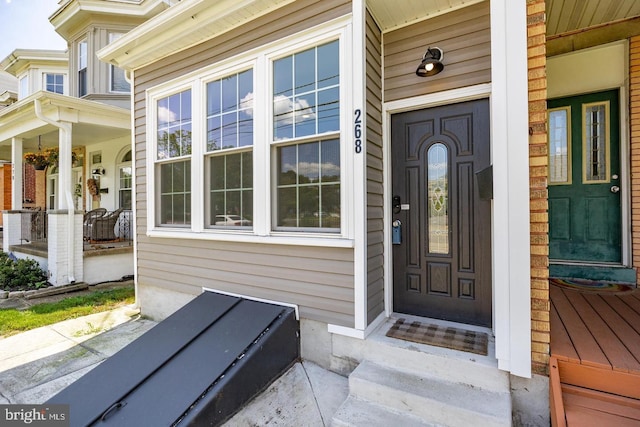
<point x="45" y="73"/>
<point x="261" y="62"/>
<point x="119" y="165"/>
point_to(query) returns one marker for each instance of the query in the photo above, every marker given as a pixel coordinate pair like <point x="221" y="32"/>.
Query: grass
<point x="13" y="321"/>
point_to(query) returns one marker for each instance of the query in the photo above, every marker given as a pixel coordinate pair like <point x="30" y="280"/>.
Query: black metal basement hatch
<point x="197" y="367"/>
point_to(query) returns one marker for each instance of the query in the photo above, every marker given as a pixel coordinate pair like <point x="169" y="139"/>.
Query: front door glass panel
<point x="438" y="199"/>
<point x="596" y="144"/>
<point x="560" y="146"/>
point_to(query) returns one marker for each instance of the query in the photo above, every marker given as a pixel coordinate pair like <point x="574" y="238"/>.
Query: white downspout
<point x="65" y="128"/>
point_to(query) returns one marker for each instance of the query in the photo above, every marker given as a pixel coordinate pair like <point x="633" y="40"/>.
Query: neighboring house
<point x="8" y="95"/>
<point x="80" y="106"/>
<point x="360" y="186"/>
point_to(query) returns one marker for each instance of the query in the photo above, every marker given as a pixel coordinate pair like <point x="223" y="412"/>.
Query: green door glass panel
<point x="584" y="212"/>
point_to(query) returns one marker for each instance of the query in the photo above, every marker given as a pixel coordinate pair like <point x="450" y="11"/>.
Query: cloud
<point x="246" y="104"/>
<point x="165" y="115"/>
<point x="285" y="109"/>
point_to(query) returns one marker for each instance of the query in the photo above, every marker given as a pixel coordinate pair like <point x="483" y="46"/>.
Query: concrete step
<point x="456" y="366"/>
<point x="432" y="399"/>
<point x="359" y="413"/>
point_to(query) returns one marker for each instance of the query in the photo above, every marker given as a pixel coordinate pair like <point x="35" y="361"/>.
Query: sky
<point x="24" y="24"/>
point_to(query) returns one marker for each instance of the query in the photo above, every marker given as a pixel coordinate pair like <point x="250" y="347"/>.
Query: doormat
<point x="593" y="286"/>
<point x="441" y="336"/>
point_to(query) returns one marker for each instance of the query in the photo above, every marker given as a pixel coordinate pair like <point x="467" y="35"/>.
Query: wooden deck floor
<point x="595" y="354"/>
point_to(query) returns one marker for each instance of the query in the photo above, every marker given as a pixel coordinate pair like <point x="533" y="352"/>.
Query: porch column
<point x="16" y="173"/>
<point x="64" y="199"/>
<point x="510" y="158"/>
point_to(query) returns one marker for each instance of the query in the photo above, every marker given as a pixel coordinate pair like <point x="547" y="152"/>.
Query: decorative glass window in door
<point x="596" y="143"/>
<point x="438" y="198"/>
<point x="560" y="146"/>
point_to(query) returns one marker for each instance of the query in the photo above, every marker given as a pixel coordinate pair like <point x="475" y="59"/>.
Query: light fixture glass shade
<point x="431" y="62"/>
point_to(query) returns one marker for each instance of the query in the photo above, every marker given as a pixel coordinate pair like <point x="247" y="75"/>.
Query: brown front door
<point x="442" y="258"/>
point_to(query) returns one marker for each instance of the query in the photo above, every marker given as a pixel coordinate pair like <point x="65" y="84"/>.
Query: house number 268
<point x="357" y="130"/>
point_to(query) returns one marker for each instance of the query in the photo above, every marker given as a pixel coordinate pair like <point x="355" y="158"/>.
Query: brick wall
<point x="538" y="162"/>
<point x="634" y="120"/>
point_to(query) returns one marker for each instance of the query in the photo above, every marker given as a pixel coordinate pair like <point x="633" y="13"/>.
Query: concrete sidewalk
<point x="36" y="364"/>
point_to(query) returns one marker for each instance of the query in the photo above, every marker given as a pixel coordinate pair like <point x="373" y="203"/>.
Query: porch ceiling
<point x="579" y="24"/>
<point x="91" y="122"/>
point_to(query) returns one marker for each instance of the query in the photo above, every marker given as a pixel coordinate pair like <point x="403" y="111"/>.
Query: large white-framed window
<point x="83" y="60"/>
<point x="229" y="151"/>
<point x="306" y="139"/>
<point x="117" y="80"/>
<point x="54" y="82"/>
<point x="268" y="145"/>
<point x="173" y="159"/>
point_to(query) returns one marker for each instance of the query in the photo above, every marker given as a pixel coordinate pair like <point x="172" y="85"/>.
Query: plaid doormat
<point x="441" y="336"/>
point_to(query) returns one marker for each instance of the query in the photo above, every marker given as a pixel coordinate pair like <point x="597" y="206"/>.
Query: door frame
<point x="439" y="99"/>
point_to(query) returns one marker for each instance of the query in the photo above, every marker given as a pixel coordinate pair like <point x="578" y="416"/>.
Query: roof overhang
<point x="19" y="59"/>
<point x="91" y="121"/>
<point x="71" y="13"/>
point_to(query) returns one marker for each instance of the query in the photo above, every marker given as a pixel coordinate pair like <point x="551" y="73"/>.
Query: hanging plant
<point x="46" y="157"/>
<point x="39" y="160"/>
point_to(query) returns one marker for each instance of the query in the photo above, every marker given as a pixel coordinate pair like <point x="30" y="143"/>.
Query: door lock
<point x="615" y="189"/>
<point x="396" y="232"/>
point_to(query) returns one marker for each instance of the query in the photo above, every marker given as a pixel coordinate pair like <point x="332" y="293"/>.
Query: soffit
<point x="399" y="13"/>
<point x="183" y="25"/>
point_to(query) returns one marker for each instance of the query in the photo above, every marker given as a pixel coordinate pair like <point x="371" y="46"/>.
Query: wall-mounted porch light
<point x="431" y="62"/>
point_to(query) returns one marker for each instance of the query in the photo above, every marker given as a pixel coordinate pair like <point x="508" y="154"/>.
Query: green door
<point x="584" y="178"/>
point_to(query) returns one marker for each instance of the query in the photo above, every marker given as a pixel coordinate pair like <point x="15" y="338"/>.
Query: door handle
<point x="615" y="189"/>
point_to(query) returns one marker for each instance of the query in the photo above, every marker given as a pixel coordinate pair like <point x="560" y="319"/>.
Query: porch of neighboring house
<point x="107" y="242"/>
<point x="595" y="358"/>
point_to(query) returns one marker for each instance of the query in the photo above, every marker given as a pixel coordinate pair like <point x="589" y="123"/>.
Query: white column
<point x="64" y="167"/>
<point x="510" y="158"/>
<point x="16" y="173"/>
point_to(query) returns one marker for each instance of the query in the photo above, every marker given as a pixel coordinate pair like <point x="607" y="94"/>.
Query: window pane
<point x="214" y="133"/>
<point x="118" y="81"/>
<point x="331" y="161"/>
<point x="214" y="98"/>
<point x="595" y="142"/>
<point x="283" y="77"/>
<point x="305" y="116"/>
<point x="233" y="170"/>
<point x="287" y="207"/>
<point x="329" y="110"/>
<point x="305" y="71"/>
<point x="229" y="130"/>
<point x="230" y="93"/>
<point x="245" y="129"/>
<point x="309" y="206"/>
<point x="559" y="148"/>
<point x="287" y="162"/>
<point x="328" y="64"/>
<point x="283" y="117"/>
<point x="438" y="197"/>
<point x="308" y="162"/>
<point x="217" y="172"/>
<point x="330" y="207"/>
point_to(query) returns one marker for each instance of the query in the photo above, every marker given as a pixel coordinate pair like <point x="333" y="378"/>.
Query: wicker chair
<point x="88" y="218"/>
<point x="102" y="227"/>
